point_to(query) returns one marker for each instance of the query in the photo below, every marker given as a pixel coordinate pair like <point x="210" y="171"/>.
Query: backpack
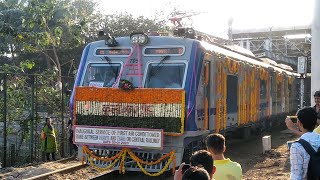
<point x="314" y="163"/>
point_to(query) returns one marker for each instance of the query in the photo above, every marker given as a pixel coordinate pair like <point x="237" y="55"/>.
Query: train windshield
<point x="165" y="75"/>
<point x="101" y="75"/>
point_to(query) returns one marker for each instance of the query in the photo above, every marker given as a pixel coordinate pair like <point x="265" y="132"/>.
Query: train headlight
<point x="139" y="38"/>
<point x="111" y="41"/>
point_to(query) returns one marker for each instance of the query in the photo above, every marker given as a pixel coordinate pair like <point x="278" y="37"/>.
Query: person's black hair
<point x="204" y="158"/>
<point x="47" y="119"/>
<point x="215" y="142"/>
<point x="196" y="173"/>
<point x="317" y="94"/>
<point x="308" y="118"/>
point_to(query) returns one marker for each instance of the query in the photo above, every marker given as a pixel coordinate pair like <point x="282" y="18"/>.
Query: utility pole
<point x="4" y="120"/>
<point x="62" y="122"/>
<point x="230" y="22"/>
<point x="32" y="119"/>
<point x="302" y="70"/>
<point x="315" y="51"/>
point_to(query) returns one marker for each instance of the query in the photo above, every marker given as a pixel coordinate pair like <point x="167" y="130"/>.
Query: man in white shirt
<point x="105" y="79"/>
<point x="109" y="79"/>
<point x="299" y="158"/>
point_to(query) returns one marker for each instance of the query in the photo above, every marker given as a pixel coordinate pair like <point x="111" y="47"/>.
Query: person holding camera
<point x="291" y="122"/>
<point x="201" y="159"/>
<point x="196" y="173"/>
<point x="299" y="150"/>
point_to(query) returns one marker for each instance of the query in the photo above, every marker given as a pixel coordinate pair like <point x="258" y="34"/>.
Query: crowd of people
<point x="212" y="164"/>
<point x="304" y="153"/>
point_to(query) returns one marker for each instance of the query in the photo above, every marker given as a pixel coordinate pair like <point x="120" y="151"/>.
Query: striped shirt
<point x="299" y="158"/>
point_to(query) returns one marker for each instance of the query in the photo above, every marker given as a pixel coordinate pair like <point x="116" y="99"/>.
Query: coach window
<point x="263" y="89"/>
<point x="101" y="75"/>
<point x="232" y="94"/>
<point x="165" y="75"/>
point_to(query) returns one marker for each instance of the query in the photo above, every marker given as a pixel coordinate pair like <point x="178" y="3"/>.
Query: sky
<point x="215" y="14"/>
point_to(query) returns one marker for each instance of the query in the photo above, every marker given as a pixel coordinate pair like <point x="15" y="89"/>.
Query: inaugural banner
<point x="139" y="108"/>
<point x="124" y="137"/>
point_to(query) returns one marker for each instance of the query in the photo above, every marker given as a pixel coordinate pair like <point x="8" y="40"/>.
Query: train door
<point x="273" y="96"/>
<point x="203" y="95"/>
<point x="232" y="100"/>
<point x="202" y="111"/>
<point x="263" y="98"/>
<point x="207" y="81"/>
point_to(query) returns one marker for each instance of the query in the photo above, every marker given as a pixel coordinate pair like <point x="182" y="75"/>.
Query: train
<point x="145" y="103"/>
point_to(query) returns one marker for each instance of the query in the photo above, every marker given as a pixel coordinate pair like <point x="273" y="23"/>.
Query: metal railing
<point x="26" y="100"/>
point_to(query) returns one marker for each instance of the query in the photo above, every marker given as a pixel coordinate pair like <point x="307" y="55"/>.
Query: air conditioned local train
<point x="145" y="103"/>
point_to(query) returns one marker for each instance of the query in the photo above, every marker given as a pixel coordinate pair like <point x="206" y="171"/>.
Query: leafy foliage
<point x="46" y="37"/>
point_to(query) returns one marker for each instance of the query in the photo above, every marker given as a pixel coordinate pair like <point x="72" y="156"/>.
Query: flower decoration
<point x="142" y="108"/>
<point x="125" y="85"/>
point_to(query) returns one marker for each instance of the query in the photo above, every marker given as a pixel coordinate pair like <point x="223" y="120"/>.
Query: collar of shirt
<point x="224" y="161"/>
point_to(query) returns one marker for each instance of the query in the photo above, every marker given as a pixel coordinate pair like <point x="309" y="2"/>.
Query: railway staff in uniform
<point x="164" y="79"/>
<point x="110" y="78"/>
<point x="225" y="168"/>
<point x="49" y="141"/>
<point x="105" y="79"/>
<point x="73" y="147"/>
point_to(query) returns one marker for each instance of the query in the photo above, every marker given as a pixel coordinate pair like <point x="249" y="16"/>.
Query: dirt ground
<point x="256" y="165"/>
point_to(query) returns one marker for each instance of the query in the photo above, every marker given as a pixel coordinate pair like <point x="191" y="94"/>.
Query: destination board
<point x="121" y="137"/>
<point x="113" y="52"/>
<point x="164" y="50"/>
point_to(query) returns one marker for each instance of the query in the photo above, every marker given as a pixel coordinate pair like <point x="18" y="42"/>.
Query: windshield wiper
<point x="109" y="62"/>
<point x="159" y="66"/>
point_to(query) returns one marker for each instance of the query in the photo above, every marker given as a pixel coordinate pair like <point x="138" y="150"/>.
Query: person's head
<point x="317" y="97"/>
<point x="216" y="144"/>
<point x="307" y="118"/>
<point x="196" y="173"/>
<point x="97" y="77"/>
<point x="48" y="120"/>
<point x="109" y="75"/>
<point x="203" y="158"/>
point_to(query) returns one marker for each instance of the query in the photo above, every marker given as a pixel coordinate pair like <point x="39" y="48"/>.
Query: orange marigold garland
<point x="121" y="156"/>
<point x="103" y="104"/>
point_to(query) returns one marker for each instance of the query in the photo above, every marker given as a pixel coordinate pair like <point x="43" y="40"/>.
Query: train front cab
<point x="173" y="58"/>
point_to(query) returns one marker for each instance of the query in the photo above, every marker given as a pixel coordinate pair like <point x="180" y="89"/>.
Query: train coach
<point x="144" y="103"/>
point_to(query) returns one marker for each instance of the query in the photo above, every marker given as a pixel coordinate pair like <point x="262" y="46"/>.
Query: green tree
<point x="123" y="24"/>
<point x="10" y="27"/>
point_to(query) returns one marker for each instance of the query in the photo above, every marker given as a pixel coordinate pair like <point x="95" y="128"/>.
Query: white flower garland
<point x="128" y="109"/>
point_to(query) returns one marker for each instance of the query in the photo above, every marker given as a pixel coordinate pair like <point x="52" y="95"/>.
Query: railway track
<point x="60" y="171"/>
<point x="131" y="176"/>
<point x="45" y="170"/>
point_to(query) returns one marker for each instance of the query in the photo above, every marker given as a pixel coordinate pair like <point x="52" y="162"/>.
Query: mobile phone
<point x="293" y="118"/>
<point x="185" y="167"/>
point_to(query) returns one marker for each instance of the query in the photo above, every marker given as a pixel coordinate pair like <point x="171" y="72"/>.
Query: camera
<point x="185" y="168"/>
<point x="293" y="118"/>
